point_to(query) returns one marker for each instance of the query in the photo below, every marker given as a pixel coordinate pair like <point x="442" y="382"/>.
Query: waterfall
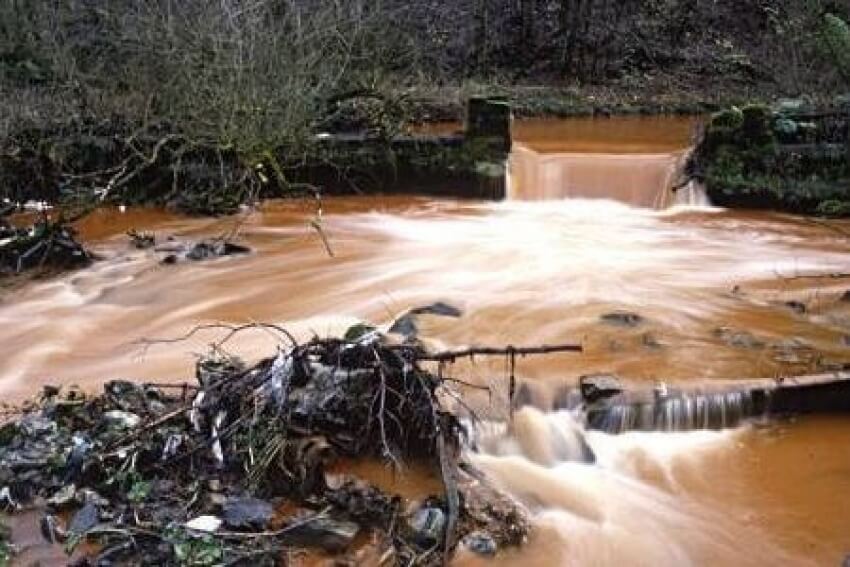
<point x="679" y="412"/>
<point x="647" y="180"/>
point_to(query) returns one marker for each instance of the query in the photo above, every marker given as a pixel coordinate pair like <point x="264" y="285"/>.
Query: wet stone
<point x="480" y="543"/>
<point x="622" y="319"/>
<point x="205" y="250"/>
<point x="427" y="525"/>
<point x="247" y="513"/>
<point x="85" y="519"/>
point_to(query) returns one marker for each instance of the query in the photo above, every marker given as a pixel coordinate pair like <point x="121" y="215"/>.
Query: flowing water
<point x="592" y="227"/>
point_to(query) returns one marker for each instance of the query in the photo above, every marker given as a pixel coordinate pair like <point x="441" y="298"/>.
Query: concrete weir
<point x="612" y="408"/>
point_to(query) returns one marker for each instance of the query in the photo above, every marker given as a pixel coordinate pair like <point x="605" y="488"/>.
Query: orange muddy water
<point x="593" y="226"/>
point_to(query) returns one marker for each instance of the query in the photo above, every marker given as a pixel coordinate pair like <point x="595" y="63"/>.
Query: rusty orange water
<point x="523" y="273"/>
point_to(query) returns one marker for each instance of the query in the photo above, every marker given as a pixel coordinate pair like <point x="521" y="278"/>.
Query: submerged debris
<point x="233" y="469"/>
<point x="43" y="244"/>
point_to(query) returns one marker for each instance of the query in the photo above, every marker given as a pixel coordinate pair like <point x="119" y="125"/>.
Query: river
<point x="591" y="227"/>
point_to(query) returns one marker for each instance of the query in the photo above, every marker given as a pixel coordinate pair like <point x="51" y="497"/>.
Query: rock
<point x="84" y="520"/>
<point x="738" y="339"/>
<point x="622" y="318"/>
<point x="207" y="524"/>
<point x="121" y="419"/>
<point x="247" y="513"/>
<point x="333" y="536"/>
<point x="596" y="387"/>
<point x="205" y="250"/>
<point x="480" y="543"/>
<point x="427" y="525"/>
<point x="845" y="340"/>
<point x="845" y="297"/>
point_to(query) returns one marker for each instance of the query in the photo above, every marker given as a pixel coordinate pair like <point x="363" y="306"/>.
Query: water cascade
<point x="638" y="170"/>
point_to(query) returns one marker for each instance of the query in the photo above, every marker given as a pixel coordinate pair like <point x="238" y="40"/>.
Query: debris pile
<point x="233" y="470"/>
<point x="44" y="244"/>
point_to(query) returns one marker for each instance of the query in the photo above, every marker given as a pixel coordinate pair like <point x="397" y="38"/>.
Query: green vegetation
<point x="206" y="105"/>
<point x="789" y="158"/>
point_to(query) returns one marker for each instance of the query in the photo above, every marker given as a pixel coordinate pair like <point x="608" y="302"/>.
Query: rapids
<point x="712" y="288"/>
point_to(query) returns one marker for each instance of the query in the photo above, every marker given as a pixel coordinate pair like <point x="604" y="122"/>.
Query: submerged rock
<point x="247" y="513"/>
<point x="214" y="249"/>
<point x="622" y="319"/>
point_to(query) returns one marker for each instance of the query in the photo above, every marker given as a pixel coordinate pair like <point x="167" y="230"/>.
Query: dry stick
<point x="453" y="355"/>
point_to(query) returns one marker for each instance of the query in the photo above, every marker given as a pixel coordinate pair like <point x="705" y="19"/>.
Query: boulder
<point x="247" y="513"/>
